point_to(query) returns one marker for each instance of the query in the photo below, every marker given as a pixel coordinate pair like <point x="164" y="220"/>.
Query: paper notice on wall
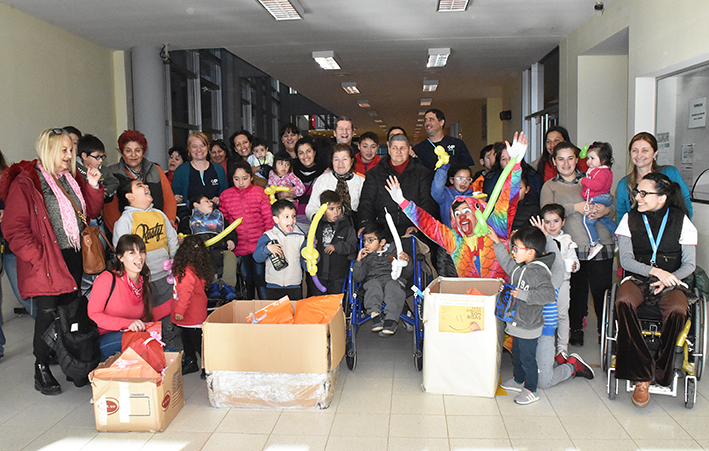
<point x="664" y="154"/>
<point x="698" y="113"/>
<point x="460" y="318"/>
<point x="687" y="153"/>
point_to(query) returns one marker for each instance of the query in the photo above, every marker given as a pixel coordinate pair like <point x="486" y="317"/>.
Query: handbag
<point x="92" y="252"/>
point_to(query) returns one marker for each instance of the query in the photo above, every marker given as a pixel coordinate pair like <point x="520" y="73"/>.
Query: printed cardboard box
<point x="462" y="346"/>
<point x="138" y="405"/>
<point x="270" y="365"/>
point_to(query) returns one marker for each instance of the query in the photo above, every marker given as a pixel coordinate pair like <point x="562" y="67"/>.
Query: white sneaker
<point x="526" y="397"/>
<point x="512" y="385"/>
<point x="594" y="250"/>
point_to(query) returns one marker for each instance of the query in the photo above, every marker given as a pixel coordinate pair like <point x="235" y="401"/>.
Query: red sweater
<point x="254" y="206"/>
<point x="122" y="309"/>
<point x="362" y="167"/>
<point x="191" y="300"/>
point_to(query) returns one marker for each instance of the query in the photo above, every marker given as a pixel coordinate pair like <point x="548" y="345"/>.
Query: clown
<point x="467" y="242"/>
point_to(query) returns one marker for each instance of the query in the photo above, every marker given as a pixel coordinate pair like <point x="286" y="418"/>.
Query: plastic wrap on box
<point x="250" y="389"/>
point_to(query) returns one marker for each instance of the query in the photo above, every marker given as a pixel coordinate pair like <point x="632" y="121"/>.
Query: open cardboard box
<point x="270" y="365"/>
<point x="462" y="345"/>
<point x="138" y="404"/>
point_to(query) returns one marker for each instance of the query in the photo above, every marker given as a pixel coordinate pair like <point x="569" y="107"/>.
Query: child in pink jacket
<point x="596" y="188"/>
<point x="282" y="175"/>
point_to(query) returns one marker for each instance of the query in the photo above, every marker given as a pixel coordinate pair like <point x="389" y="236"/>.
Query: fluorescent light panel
<point x="447" y="6"/>
<point x="430" y="85"/>
<point x="438" y="57"/>
<point x="326" y="60"/>
<point x="426" y="101"/>
<point x="378" y="121"/>
<point x="372" y="113"/>
<point x="283" y="9"/>
<point x="422" y="112"/>
<point x="350" y="87"/>
<point x="363" y="103"/>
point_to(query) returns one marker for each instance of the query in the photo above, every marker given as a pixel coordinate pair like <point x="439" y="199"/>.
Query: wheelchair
<point x="356" y="316"/>
<point x="690" y="350"/>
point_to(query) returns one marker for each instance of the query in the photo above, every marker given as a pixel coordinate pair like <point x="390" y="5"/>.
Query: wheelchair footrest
<point x="657" y="389"/>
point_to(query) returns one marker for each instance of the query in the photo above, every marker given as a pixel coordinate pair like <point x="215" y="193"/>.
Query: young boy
<point x="206" y="222"/>
<point x="336" y="245"/>
<point x="92" y="153"/>
<point x="284" y="240"/>
<point x="367" y="156"/>
<point x="459" y="180"/>
<point x="141" y="218"/>
<point x="373" y="267"/>
<point x="530" y="274"/>
<point x="261" y="159"/>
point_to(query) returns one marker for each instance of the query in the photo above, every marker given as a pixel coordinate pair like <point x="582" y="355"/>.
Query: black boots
<point x="189" y="365"/>
<point x="576" y="337"/>
<point x="44" y="382"/>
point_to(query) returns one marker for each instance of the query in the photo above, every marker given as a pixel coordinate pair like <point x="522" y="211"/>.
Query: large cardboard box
<point x="270" y="365"/>
<point x="462" y="346"/>
<point x="138" y="405"/>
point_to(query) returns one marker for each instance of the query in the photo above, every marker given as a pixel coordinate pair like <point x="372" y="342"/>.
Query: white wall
<point x="663" y="36"/>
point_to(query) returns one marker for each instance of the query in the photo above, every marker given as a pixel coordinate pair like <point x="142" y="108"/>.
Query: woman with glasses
<point x="595" y="273"/>
<point x="43" y="229"/>
<point x="643" y="153"/>
<point x="134" y="166"/>
<point x="657" y="244"/>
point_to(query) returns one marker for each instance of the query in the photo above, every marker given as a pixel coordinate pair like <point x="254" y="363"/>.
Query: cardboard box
<point x="462" y="338"/>
<point x="138" y="405"/>
<point x="270" y="365"/>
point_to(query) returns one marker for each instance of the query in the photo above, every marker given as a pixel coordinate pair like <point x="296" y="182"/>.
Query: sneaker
<point x="576" y="337"/>
<point x="228" y="292"/>
<point x="583" y="369"/>
<point x="526" y="397"/>
<point x="512" y="385"/>
<point x="389" y="327"/>
<point x="213" y="291"/>
<point x="377" y="322"/>
<point x="561" y="357"/>
<point x="594" y="250"/>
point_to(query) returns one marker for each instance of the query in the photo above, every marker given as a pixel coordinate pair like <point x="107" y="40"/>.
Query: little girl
<point x="261" y="158"/>
<point x="249" y="202"/>
<point x="449" y="182"/>
<point x="281" y="175"/>
<point x="192" y="269"/>
<point x="596" y="188"/>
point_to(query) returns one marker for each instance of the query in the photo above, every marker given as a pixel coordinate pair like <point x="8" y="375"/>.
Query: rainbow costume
<point x="473" y="256"/>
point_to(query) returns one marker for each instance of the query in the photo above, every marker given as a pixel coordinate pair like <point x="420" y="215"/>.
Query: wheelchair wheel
<point x="690" y="392"/>
<point x="351" y="342"/>
<point x="612" y="385"/>
<point x="700" y="327"/>
<point x="418" y="353"/>
<point x="418" y="335"/>
<point x="351" y="356"/>
<point x="607" y="329"/>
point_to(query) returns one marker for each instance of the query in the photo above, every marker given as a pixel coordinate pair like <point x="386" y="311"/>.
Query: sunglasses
<point x="643" y="193"/>
<point x="57" y="131"/>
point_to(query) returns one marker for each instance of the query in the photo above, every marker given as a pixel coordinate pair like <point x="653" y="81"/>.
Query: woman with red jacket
<point x="121" y="299"/>
<point x="43" y="230"/>
<point x="193" y="270"/>
<point x="250" y="202"/>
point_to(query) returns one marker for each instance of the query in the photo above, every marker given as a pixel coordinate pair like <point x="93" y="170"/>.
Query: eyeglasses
<point x="515" y="249"/>
<point x="463" y="179"/>
<point x="98" y="157"/>
<point x="643" y="193"/>
<point x="370" y="240"/>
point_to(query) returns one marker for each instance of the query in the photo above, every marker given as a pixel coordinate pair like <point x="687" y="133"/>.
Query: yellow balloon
<point x="443" y="157"/>
<point x="272" y="190"/>
<point x="309" y="253"/>
<point x="223" y="234"/>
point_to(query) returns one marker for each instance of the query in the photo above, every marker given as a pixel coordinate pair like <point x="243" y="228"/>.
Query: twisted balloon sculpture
<point x="309" y="253"/>
<point x="397" y="264"/>
<point x="443" y="157"/>
<point x="217" y="238"/>
<point x="272" y="190"/>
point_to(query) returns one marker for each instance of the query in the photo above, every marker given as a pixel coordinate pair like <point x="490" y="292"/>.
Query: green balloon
<point x="584" y="151"/>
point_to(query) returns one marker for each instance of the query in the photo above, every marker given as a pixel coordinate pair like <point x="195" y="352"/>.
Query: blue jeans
<point x="10" y="264"/>
<point x="255" y="275"/>
<point x="524" y="356"/>
<point x="110" y="344"/>
<point x="590" y="224"/>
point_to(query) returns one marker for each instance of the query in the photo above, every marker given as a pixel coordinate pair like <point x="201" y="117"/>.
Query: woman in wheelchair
<point x="657" y="244"/>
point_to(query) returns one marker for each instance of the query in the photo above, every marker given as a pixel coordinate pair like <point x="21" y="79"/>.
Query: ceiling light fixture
<point x="326" y="60"/>
<point x="448" y="6"/>
<point x="372" y="113"/>
<point x="363" y="103"/>
<point x="350" y="87"/>
<point x="283" y="9"/>
<point x="378" y="121"/>
<point x="438" y="57"/>
<point x="430" y="85"/>
<point x="426" y="101"/>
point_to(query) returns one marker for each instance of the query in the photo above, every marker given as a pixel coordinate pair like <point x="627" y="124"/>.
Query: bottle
<point x="278" y="262"/>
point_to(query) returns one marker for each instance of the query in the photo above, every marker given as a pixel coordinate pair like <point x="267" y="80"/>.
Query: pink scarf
<point x="71" y="225"/>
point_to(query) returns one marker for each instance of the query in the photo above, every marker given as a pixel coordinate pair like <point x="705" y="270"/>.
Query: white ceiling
<point x="380" y="44"/>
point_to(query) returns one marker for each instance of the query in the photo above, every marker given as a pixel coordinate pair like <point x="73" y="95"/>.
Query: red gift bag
<point x="148" y="345"/>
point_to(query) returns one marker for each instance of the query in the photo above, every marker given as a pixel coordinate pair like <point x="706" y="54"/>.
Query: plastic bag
<point x="317" y="309"/>
<point x="128" y="366"/>
<point x="279" y="312"/>
<point x="475" y="292"/>
<point x="148" y="345"/>
<point x="506" y="304"/>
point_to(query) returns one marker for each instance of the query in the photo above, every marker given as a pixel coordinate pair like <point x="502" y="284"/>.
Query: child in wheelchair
<point x="373" y="267"/>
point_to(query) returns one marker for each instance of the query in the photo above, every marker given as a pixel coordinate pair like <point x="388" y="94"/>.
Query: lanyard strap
<point x="434" y="146"/>
<point x="655" y="242"/>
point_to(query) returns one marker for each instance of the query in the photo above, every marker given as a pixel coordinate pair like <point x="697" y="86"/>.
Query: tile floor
<point x="380" y="406"/>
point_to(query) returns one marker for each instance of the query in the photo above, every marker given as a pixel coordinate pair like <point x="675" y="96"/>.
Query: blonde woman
<point x="198" y="177"/>
<point x="43" y="230"/>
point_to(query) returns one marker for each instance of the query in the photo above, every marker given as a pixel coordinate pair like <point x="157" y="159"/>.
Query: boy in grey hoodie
<point x="530" y="273"/>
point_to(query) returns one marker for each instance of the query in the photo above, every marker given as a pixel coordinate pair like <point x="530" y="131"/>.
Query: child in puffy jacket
<point x="282" y="175"/>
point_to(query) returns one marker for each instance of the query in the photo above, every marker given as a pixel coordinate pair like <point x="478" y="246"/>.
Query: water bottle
<point x="278" y="262"/>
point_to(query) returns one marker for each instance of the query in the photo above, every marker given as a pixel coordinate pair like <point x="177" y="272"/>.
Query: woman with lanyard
<point x="134" y="166"/>
<point x="657" y="244"/>
<point x="595" y="273"/>
<point x="306" y="168"/>
<point x="199" y="177"/>
<point x="341" y="178"/>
